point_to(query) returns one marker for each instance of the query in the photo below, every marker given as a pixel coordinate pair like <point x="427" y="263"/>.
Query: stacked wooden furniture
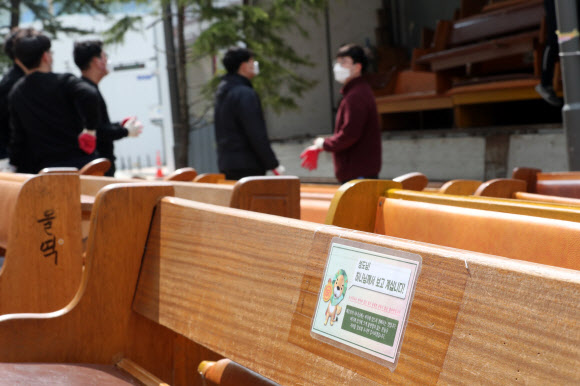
<point x="170" y="282"/>
<point x="490" y="56"/>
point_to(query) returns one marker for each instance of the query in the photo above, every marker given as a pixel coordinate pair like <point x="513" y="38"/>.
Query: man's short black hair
<point x="29" y="46"/>
<point x="356" y="53"/>
<point x="234" y="58"/>
<point x="9" y="44"/>
<point x="85" y="51"/>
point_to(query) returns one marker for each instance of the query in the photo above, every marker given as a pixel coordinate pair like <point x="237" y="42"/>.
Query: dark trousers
<point x="237" y="174"/>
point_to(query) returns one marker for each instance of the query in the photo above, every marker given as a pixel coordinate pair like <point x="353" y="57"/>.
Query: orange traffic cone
<point x="159" y="171"/>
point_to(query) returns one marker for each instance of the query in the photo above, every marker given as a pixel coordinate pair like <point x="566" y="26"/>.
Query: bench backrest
<point x="183" y="174"/>
<point x="412" y="181"/>
<point x="273" y="195"/>
<point x="260" y="317"/>
<point x="210" y="177"/>
<point x="244" y="285"/>
<point x="460" y="187"/>
<point x="563" y="184"/>
<point x="96" y="167"/>
<point x="501" y="188"/>
<point x="40" y="231"/>
<point x="541" y="240"/>
<point x="551" y="210"/>
<point x="354" y="204"/>
<point x="559" y="184"/>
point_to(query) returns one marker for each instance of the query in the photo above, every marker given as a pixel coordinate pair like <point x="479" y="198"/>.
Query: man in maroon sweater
<point x="356" y="143"/>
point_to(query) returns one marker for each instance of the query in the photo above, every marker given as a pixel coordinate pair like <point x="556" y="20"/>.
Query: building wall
<point x="349" y="21"/>
<point x="446" y="156"/>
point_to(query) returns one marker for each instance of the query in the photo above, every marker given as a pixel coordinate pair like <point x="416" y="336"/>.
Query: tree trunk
<point x="182" y="137"/>
<point x="172" y="74"/>
<point x="14" y="13"/>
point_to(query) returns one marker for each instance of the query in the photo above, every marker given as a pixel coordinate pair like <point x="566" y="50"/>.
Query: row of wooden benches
<point x="168" y="282"/>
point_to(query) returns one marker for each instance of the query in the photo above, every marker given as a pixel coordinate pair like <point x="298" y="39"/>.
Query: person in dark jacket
<point x="91" y="59"/>
<point x="243" y="146"/>
<point x="48" y="111"/>
<point x="8" y="81"/>
<point x="356" y="144"/>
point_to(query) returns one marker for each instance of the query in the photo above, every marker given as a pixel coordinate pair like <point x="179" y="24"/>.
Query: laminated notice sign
<point x="365" y="299"/>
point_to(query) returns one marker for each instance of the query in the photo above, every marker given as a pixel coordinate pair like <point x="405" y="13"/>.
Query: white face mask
<point x="256" y="67"/>
<point x="341" y="73"/>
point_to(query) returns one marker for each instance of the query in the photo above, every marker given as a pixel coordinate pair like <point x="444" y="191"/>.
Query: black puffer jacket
<point x="242" y="139"/>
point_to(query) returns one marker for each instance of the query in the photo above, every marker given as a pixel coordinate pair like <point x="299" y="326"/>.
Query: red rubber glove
<point x="310" y="157"/>
<point x="87" y="141"/>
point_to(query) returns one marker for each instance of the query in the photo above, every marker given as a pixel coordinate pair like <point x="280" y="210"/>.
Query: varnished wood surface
<point x="56" y="374"/>
<point x="501" y="188"/>
<point x="273" y="195"/>
<point x="9" y="191"/>
<point x="314" y="210"/>
<point x="554" y="210"/>
<point x="225" y="372"/>
<point x="254" y="304"/>
<point x="534" y="197"/>
<point x="93" y="327"/>
<point x="43" y="264"/>
<point x="96" y="167"/>
<point x="59" y="170"/>
<point x="460" y="187"/>
<point x="183" y="174"/>
<point x="527" y="174"/>
<point x="529" y="238"/>
<point x="267" y="194"/>
<point x="211" y="178"/>
<point x="18" y="177"/>
<point x="412" y="181"/>
<point x="354" y="204"/>
<point x="559" y="176"/>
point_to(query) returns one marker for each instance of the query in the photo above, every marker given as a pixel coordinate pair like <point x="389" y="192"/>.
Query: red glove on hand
<point x="125" y="121"/>
<point x="310" y="157"/>
<point x="87" y="141"/>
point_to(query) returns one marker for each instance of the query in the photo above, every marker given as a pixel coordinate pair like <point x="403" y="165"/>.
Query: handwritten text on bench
<point x="48" y="247"/>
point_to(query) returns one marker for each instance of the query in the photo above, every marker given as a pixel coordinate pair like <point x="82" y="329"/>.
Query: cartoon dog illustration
<point x="339" y="285"/>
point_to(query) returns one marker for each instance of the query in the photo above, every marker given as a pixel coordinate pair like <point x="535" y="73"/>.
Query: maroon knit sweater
<point x="356" y="143"/>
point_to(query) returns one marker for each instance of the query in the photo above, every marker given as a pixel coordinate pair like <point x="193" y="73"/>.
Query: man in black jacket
<point x="6" y="84"/>
<point x="91" y="59"/>
<point x="48" y="111"/>
<point x="242" y="140"/>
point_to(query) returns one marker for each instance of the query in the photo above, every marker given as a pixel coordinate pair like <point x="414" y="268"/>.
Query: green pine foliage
<point x="47" y="13"/>
<point x="260" y="27"/>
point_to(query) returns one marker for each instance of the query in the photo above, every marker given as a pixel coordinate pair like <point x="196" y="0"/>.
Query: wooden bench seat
<point x="244" y="285"/>
<point x="57" y="374"/>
